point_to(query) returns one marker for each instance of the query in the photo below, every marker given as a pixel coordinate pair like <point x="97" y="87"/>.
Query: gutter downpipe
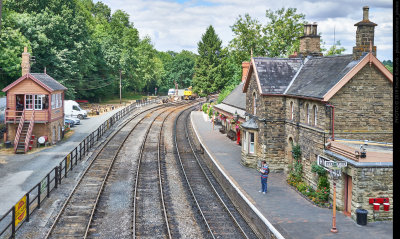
<point x="333" y="120"/>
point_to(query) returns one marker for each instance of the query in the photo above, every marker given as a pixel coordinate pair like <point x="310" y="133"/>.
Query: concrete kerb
<point x="275" y="232"/>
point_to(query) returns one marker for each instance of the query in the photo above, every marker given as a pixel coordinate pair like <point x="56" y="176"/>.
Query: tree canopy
<point x="81" y="44"/>
<point x="207" y="70"/>
<point x="278" y="37"/>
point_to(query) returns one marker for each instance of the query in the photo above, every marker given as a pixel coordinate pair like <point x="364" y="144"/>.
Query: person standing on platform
<point x="264" y="170"/>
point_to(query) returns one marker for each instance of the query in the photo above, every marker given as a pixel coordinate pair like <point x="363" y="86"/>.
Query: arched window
<point x="308" y="113"/>
<point x="315" y="115"/>
<point x="254" y="103"/>
<point x="291" y="110"/>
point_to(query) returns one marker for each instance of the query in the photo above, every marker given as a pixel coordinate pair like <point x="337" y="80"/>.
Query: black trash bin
<point x="361" y="216"/>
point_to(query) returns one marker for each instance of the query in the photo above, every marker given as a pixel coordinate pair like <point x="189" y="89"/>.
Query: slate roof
<point x="319" y="74"/>
<point x="250" y="124"/>
<point x="236" y="98"/>
<point x="275" y="74"/>
<point x="48" y="81"/>
<point x="230" y="109"/>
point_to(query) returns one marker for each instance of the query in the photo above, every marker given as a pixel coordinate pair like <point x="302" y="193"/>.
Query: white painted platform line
<point x="259" y="214"/>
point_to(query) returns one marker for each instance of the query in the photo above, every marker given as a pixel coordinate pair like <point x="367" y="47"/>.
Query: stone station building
<point x="330" y="106"/>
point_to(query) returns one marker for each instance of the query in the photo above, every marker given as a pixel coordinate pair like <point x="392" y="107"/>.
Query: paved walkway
<point x="21" y="172"/>
<point x="292" y="215"/>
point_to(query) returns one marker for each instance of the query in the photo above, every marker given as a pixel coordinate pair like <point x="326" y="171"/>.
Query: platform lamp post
<point x="335" y="173"/>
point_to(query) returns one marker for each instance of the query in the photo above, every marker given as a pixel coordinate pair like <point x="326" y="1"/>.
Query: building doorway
<point x="348" y="187"/>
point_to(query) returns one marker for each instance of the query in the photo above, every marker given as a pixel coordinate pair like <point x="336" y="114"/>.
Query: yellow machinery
<point x="188" y="94"/>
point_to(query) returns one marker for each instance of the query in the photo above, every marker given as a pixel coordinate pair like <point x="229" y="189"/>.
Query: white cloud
<point x="176" y="26"/>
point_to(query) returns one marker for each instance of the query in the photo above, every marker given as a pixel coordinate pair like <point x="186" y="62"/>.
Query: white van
<point x="171" y="92"/>
<point x="71" y="108"/>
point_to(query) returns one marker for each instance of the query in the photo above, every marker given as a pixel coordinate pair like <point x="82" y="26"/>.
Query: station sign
<point x="43" y="185"/>
<point x="20" y="211"/>
<point x="326" y="163"/>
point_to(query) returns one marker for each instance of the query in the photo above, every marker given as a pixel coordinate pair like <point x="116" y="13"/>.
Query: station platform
<point x="291" y="214"/>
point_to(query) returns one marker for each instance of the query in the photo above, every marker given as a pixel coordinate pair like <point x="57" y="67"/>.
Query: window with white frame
<point x="291" y="110"/>
<point x="251" y="143"/>
<point x="308" y="113"/>
<point x="29" y="102"/>
<point x="315" y="111"/>
<point x="39" y="99"/>
<point x="53" y="101"/>
<point x="58" y="100"/>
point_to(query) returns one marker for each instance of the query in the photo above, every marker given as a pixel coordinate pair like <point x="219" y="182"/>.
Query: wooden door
<point x="347" y="194"/>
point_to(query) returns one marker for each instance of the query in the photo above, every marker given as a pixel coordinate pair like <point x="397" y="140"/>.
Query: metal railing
<point x="18" y="134"/>
<point x="12" y="220"/>
<point x="29" y="133"/>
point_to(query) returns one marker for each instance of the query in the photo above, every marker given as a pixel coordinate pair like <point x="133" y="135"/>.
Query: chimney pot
<point x="365" y="13"/>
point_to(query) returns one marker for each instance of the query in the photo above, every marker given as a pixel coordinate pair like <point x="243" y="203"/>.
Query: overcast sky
<point x="178" y="24"/>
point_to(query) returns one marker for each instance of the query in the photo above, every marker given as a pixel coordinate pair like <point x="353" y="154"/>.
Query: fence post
<point x="13" y="223"/>
<point x="48" y="185"/>
<point x="27" y="207"/>
<point x="38" y="193"/>
<point x="56" y="177"/>
<point x="76" y="155"/>
<point x="80" y="151"/>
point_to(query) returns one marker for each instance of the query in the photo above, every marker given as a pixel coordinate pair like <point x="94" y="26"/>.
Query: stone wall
<point x="39" y="129"/>
<point x="367" y="182"/>
<point x="364" y="107"/>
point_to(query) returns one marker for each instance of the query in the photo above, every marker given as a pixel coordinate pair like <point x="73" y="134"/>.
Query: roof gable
<point x="319" y="74"/>
<point x="273" y="75"/>
<point x="369" y="58"/>
<point x="42" y="79"/>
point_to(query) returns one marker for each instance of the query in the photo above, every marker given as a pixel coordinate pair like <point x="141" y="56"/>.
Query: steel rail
<point x="187" y="180"/>
<point x="158" y="173"/>
<point x="209" y="181"/>
<point x="88" y="168"/>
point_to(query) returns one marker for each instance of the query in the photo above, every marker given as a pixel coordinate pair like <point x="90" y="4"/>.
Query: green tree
<point x="12" y="45"/>
<point x="389" y="65"/>
<point x="1" y="8"/>
<point x="248" y="37"/>
<point x="279" y="37"/>
<point x="206" y="68"/>
<point x="336" y="49"/>
<point x="283" y="31"/>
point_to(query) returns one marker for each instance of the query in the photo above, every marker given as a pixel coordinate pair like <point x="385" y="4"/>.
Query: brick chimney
<point x="310" y="41"/>
<point x="26" y="65"/>
<point x="364" y="36"/>
<point x="245" y="69"/>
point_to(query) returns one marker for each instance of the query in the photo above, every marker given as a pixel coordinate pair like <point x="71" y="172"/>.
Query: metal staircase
<point x="24" y="133"/>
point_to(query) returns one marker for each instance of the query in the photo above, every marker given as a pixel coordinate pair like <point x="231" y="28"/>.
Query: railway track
<point x="150" y="216"/>
<point x="76" y="214"/>
<point x="151" y="219"/>
<point x="219" y="215"/>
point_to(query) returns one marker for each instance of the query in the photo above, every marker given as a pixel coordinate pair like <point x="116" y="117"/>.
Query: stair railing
<point x="30" y="129"/>
<point x="18" y="134"/>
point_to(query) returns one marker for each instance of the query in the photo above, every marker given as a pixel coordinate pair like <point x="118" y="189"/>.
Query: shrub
<point x="323" y="194"/>
<point x="205" y="107"/>
<point x="210" y="111"/>
<point x="296" y="151"/>
<point x="302" y="187"/>
<point x="315" y="168"/>
<point x="323" y="182"/>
